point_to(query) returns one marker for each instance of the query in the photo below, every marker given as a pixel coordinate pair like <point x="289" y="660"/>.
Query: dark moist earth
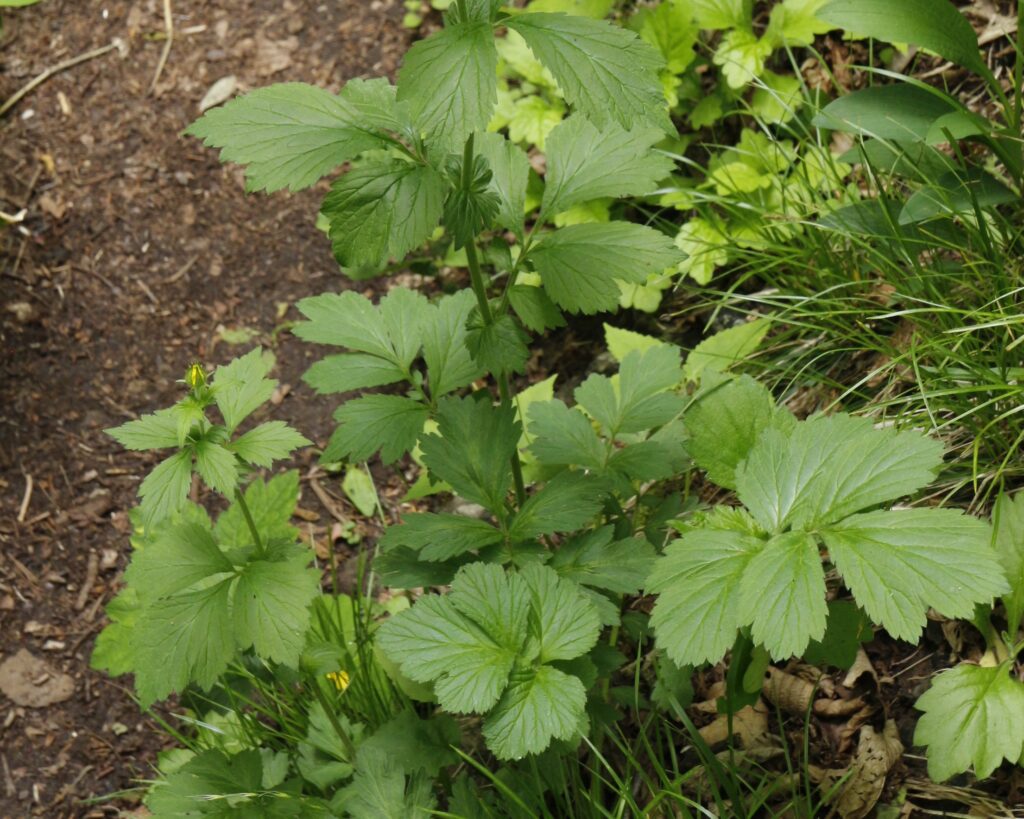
<point x="137" y="253"/>
<point x="138" y="250"/>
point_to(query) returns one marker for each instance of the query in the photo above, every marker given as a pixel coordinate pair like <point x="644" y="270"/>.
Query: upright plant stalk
<point x="260" y="550"/>
<point x="476" y="279"/>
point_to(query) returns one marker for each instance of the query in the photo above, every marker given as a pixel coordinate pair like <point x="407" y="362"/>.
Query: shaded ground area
<point x="137" y="250"/>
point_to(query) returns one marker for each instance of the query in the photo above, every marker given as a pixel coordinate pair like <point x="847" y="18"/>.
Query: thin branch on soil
<point x="30" y="86"/>
<point x="169" y="29"/>
<point x="23" y="510"/>
<point x="91" y="570"/>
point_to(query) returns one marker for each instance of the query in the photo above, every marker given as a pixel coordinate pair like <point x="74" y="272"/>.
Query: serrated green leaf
<point x="533" y="119"/>
<point x="741" y="55"/>
<point x="643" y="399"/>
<point x="497" y="347"/>
<point x="217" y="466"/>
<point x="449" y="364"/>
<point x="165" y="489"/>
<point x="606" y="72"/>
<point x="389" y="423"/>
<point x="662" y="456"/>
<point x="1008" y="541"/>
<point x="271" y="505"/>
<point x="795" y="23"/>
<point x="719" y="14"/>
<point x="534" y="308"/>
<point x="440" y="537"/>
<point x="586" y="163"/>
<point x="725" y="348"/>
<point x="266" y="443"/>
<point x="725" y="422"/>
<point x="933" y="24"/>
<point x="972" y="716"/>
<point x="292" y="134"/>
<point x="900" y="112"/>
<point x="450" y="81"/>
<point x="671" y="28"/>
<point x="415" y="744"/>
<point x="184" y="638"/>
<point x="179" y="557"/>
<point x="270" y="610"/>
<point x="783" y="595"/>
<point x="569" y="501"/>
<point x="156" y="431"/>
<point x="898" y="564"/>
<point x="510" y="171"/>
<point x="563" y="621"/>
<point x="563" y="436"/>
<point x="621" y="342"/>
<point x="113" y="651"/>
<point x="382" y="209"/>
<point x="827" y="467"/>
<point x="698" y="580"/>
<point x="539" y="705"/>
<point x="212" y="778"/>
<point x="241" y="386"/>
<point x="845" y="629"/>
<point x="596" y="559"/>
<point x="473" y="450"/>
<point x="380" y="790"/>
<point x="581" y="265"/>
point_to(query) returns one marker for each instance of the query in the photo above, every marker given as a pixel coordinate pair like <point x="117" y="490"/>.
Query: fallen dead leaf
<point x="220" y="92"/>
<point x="749" y="725"/>
<point x="875" y="756"/>
<point x="27" y="680"/>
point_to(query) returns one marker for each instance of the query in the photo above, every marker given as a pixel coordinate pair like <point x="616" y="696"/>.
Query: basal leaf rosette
<point x="493" y="645"/>
<point x="805" y="487"/>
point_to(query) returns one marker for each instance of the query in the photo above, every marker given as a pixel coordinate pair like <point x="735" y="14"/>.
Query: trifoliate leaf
<point x="389" y="423"/>
<point x="972" y="716"/>
<point x="596" y="559"/>
<point x="217" y="466"/>
<point x="184" y="638"/>
<point x="179" y="557"/>
<point x="165" y="489"/>
<point x="269" y="442"/>
<point x="510" y="170"/>
<point x="436" y="641"/>
<point x="392" y="331"/>
<point x="473" y="449"/>
<point x="725" y="421"/>
<point x="241" y="386"/>
<point x="499" y="346"/>
<point x="539" y="705"/>
<point x="563" y="621"/>
<point x="441" y="536"/>
<point x="449" y="364"/>
<point x="1008" y="520"/>
<point x="823" y="469"/>
<point x="156" y="431"/>
<point x="586" y="163"/>
<point x="900" y="563"/>
<point x="569" y="501"/>
<point x="698" y="582"/>
<point x="783" y="595"/>
<point x="643" y="399"/>
<point x="580" y="265"/>
<point x="606" y="72"/>
<point x="291" y="134"/>
<point x="725" y="348"/>
<point x="534" y="308"/>
<point x="563" y="436"/>
<point x="450" y="81"/>
<point x="271" y="505"/>
<point x="382" y="209"/>
<point x="270" y="610"/>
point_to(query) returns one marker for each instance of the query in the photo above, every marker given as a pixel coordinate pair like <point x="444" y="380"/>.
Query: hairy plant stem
<point x="476" y="278"/>
<point x="260" y="550"/>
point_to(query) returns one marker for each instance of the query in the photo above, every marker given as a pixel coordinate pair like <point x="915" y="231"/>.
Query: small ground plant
<point x="509" y="667"/>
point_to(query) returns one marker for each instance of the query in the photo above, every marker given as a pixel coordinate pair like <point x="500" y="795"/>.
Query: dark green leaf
<point x="569" y="501"/>
<point x="439" y="537"/>
<point x="499" y="347"/>
<point x="389" y="423"/>
<point x="901" y="112"/>
<point x="534" y="308"/>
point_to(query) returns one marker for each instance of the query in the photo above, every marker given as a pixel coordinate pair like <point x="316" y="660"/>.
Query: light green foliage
<point x="240" y="387"/>
<point x="487" y="646"/>
<point x="705" y="247"/>
<point x="380" y="789"/>
<point x="726" y="348"/>
<point x="741" y="56"/>
<point x="802" y="483"/>
<point x="358" y="488"/>
<point x="1008" y="520"/>
<point x="671" y="28"/>
<point x="973" y="716"/>
<point x="292" y="134"/>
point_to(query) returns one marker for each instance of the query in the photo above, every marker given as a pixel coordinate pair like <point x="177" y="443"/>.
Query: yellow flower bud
<point x="195" y="377"/>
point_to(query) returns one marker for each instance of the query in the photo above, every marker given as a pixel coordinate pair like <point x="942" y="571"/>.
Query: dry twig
<point x="169" y="30"/>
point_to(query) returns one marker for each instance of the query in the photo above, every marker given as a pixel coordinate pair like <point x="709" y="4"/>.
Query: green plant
<point x="580" y="506"/>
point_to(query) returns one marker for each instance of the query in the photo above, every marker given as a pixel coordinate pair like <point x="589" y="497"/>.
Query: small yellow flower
<point x="341" y="679"/>
<point x="195" y="377"/>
